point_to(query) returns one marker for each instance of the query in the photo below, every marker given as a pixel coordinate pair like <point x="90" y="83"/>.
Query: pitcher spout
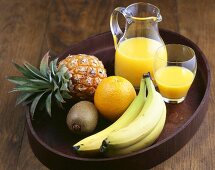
<point x="138" y="16"/>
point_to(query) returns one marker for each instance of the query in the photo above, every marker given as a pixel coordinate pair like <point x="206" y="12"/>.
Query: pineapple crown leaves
<point x="38" y="87"/>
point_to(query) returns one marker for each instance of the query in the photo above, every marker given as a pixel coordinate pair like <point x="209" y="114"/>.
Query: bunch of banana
<point x="143" y="130"/>
<point x="90" y="146"/>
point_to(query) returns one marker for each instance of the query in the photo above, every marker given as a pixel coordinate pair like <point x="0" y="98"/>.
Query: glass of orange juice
<point x="174" y="74"/>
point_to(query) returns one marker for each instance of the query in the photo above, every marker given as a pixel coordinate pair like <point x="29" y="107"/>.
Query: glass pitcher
<point x="137" y="45"/>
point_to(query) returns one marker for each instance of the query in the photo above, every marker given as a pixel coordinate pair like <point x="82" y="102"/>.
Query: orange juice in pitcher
<point x="134" y="57"/>
<point x="137" y="46"/>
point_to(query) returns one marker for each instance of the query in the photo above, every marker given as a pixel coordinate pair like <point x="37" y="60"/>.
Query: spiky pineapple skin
<point x="86" y="71"/>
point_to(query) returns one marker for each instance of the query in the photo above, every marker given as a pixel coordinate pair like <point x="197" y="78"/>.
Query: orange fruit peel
<point x="113" y="96"/>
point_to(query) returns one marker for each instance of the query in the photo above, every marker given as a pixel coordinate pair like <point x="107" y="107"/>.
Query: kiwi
<point x="82" y="118"/>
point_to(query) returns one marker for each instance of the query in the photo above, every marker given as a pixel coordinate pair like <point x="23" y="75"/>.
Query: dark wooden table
<point x="28" y="28"/>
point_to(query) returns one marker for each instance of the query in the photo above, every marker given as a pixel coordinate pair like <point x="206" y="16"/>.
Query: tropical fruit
<point x="86" y="73"/>
<point x="82" y="118"/>
<point x="90" y="146"/>
<point x="113" y="96"/>
<point x="139" y="126"/>
<point x="76" y="75"/>
<point x="142" y="131"/>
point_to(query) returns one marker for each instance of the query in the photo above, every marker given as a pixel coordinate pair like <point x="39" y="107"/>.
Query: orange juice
<point x="174" y="81"/>
<point x="134" y="57"/>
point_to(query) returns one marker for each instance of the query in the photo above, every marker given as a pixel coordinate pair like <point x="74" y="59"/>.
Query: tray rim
<point x="204" y="99"/>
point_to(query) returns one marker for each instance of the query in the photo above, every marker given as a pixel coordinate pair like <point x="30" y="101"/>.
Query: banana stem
<point x="104" y="146"/>
<point x="75" y="148"/>
<point x="148" y="81"/>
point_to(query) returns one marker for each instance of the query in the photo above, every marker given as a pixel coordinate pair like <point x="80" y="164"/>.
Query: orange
<point x="113" y="96"/>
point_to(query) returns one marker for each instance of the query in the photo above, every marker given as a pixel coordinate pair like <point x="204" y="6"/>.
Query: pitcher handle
<point x="114" y="25"/>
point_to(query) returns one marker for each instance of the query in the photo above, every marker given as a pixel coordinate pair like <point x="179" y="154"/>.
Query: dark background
<point x="28" y="28"/>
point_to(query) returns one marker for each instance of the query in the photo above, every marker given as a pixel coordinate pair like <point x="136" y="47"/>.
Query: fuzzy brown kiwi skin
<point x="82" y="118"/>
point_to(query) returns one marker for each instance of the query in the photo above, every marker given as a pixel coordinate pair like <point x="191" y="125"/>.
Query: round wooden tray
<point x="51" y="140"/>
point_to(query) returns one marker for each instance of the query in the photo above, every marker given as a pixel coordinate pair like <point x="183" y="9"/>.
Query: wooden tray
<point x="51" y="141"/>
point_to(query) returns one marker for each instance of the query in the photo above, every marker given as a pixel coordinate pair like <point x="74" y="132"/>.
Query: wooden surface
<point x="28" y="28"/>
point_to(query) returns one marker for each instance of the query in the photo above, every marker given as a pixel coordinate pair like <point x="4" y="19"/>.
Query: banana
<point x="91" y="145"/>
<point x="145" y="142"/>
<point x="142" y="126"/>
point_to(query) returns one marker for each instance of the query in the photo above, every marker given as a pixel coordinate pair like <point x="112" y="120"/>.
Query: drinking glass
<point x="174" y="73"/>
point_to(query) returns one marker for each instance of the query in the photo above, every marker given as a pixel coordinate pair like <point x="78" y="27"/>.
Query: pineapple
<point x="75" y="76"/>
<point x="87" y="72"/>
